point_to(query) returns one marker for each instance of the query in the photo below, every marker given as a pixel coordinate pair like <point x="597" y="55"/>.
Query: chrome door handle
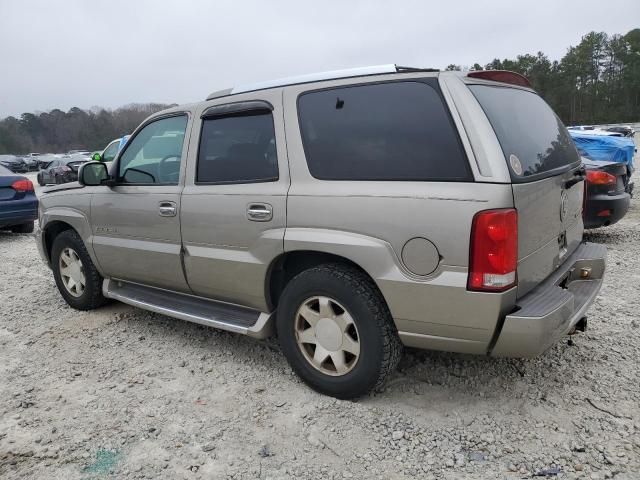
<point x="260" y="212"/>
<point x="167" y="209"/>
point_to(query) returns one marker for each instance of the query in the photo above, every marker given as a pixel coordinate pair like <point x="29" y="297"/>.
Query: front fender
<point x="73" y="217"/>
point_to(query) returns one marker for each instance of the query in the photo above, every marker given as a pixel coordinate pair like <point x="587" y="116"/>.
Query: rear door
<point x="544" y="167"/>
<point x="234" y="202"/>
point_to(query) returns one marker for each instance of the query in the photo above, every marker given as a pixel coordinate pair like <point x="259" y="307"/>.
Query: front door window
<point x="153" y="156"/>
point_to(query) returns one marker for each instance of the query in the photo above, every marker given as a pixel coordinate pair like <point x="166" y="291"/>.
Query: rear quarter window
<point x="534" y="140"/>
<point x="388" y="131"/>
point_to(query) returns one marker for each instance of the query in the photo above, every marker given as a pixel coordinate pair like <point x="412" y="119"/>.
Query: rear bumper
<point x="16" y="212"/>
<point x="552" y="309"/>
<point x="602" y="210"/>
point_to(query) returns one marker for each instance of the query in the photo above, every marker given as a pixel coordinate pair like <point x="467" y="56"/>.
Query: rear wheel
<point x="23" y="228"/>
<point x="76" y="276"/>
<point x="336" y="331"/>
<point x="40" y="181"/>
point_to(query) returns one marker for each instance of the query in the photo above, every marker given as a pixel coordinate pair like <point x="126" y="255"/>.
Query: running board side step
<point x="224" y="316"/>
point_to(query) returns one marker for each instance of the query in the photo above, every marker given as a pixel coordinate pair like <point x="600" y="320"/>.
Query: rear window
<point x="532" y="137"/>
<point x="389" y="131"/>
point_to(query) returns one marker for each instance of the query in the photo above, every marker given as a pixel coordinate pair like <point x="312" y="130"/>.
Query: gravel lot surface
<point x="123" y="393"/>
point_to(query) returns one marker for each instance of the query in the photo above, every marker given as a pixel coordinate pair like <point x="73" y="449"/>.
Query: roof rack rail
<point x="315" y="77"/>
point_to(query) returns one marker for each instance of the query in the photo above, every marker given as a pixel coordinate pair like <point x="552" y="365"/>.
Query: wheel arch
<point x="289" y="264"/>
<point x="50" y="232"/>
<point x="56" y="220"/>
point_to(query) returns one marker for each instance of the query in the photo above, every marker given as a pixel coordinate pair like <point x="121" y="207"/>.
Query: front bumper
<point x="602" y="210"/>
<point x="552" y="309"/>
<point x="40" y="244"/>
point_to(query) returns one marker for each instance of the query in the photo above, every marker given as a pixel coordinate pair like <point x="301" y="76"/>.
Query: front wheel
<point x="336" y="331"/>
<point x="77" y="278"/>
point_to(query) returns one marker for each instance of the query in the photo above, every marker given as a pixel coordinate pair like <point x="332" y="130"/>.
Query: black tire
<point x="40" y="182"/>
<point x="58" y="180"/>
<point x="23" y="228"/>
<point x="380" y="347"/>
<point x="92" y="296"/>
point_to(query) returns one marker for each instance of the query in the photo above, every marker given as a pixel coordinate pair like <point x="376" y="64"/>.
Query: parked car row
<point x="616" y="131"/>
<point x="14" y="164"/>
<point x="60" y="168"/>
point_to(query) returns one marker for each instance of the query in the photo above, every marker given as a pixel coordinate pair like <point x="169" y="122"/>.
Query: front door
<point x="234" y="202"/>
<point x="136" y="223"/>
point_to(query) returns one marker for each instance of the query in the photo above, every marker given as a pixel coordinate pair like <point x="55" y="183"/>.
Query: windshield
<point x="532" y="137"/>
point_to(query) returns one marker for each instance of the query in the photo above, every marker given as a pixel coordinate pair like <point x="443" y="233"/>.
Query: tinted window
<point x="154" y="154"/>
<point x="392" y="131"/>
<point x="238" y="149"/>
<point x="532" y="137"/>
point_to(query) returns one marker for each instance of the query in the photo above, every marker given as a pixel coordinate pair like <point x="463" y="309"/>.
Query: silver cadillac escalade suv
<point x="349" y="213"/>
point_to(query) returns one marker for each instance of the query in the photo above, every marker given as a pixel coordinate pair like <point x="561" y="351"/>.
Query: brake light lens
<point x="493" y="253"/>
<point x="23" y="185"/>
<point x="597" y="177"/>
<point x="503" y="76"/>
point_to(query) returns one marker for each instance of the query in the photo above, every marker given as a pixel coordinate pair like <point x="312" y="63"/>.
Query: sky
<point x="66" y="53"/>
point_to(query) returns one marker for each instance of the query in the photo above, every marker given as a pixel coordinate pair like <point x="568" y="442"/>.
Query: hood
<point x="64" y="186"/>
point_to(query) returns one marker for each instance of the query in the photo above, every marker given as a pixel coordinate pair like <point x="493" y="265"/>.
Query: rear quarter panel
<point x="369" y="222"/>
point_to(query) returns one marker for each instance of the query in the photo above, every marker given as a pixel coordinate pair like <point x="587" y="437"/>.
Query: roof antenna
<point x="339" y="103"/>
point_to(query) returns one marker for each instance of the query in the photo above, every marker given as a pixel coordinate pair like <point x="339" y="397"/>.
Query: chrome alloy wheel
<point x="327" y="336"/>
<point x="72" y="272"/>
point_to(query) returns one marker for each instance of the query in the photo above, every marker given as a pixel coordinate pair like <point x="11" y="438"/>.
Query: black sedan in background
<point x="61" y="170"/>
<point x="606" y="193"/>
<point x="13" y="163"/>
<point x="18" y="202"/>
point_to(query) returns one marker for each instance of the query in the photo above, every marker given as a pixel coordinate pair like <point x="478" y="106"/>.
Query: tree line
<point x="57" y="131"/>
<point x="596" y="81"/>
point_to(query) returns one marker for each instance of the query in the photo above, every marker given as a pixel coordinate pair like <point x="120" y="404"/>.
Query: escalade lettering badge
<point x="106" y="230"/>
<point x="564" y="205"/>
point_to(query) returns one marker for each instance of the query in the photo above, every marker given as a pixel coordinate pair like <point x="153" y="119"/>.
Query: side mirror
<point x="96" y="157"/>
<point x="92" y="174"/>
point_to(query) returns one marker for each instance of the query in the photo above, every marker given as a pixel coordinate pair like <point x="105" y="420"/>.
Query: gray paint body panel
<point x="226" y="257"/>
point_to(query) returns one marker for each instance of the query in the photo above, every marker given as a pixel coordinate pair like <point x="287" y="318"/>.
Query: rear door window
<point x="387" y="131"/>
<point x="238" y="149"/>
<point x="533" y="139"/>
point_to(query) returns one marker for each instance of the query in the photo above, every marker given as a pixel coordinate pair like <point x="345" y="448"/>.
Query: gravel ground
<point x="124" y="393"/>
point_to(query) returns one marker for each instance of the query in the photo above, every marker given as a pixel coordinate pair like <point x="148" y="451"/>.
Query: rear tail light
<point x="503" y="76"/>
<point x="597" y="177"/>
<point x="493" y="253"/>
<point x="22" y="185"/>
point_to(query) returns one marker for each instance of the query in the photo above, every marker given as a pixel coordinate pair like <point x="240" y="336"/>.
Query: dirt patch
<point x="124" y="393"/>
